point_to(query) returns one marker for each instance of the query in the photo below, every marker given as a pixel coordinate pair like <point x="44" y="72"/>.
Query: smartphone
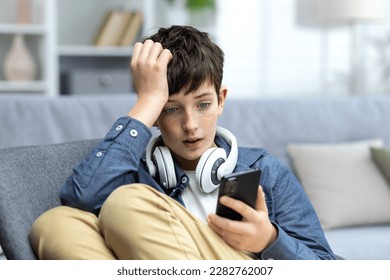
<point x="242" y="186"/>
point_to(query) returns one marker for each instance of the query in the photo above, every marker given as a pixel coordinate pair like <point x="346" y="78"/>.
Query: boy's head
<point x="196" y="59"/>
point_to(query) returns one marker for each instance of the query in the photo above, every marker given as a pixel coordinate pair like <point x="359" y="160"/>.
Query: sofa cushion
<point x="342" y="182"/>
<point x="381" y="157"/>
<point x="360" y="243"/>
<point x="40" y="120"/>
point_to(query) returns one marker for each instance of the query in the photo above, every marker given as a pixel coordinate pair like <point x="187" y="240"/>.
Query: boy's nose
<point x="190" y="122"/>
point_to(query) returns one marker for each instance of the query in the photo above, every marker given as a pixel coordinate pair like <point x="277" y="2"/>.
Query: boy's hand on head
<point x="254" y="233"/>
<point x="149" y="65"/>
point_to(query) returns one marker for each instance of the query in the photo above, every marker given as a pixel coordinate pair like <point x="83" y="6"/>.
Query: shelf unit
<point x="87" y="51"/>
<point x="80" y="60"/>
<point x="60" y="38"/>
<point x="22" y="87"/>
<point x="28" y="29"/>
<point x="7" y="30"/>
<point x="40" y="40"/>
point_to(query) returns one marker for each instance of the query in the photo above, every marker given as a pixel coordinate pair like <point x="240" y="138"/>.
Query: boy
<point x="121" y="204"/>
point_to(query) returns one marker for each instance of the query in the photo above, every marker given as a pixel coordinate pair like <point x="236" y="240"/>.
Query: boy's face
<point x="188" y="123"/>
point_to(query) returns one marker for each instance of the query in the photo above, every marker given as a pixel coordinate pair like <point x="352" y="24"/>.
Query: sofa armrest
<point x="30" y="178"/>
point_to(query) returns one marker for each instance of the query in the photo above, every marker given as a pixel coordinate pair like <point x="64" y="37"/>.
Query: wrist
<point x="147" y="110"/>
<point x="273" y="235"/>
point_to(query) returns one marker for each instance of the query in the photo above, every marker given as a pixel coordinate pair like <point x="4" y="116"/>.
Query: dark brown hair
<point x="196" y="59"/>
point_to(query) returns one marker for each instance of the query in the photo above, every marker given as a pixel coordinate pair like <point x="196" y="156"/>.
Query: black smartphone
<point x="242" y="186"/>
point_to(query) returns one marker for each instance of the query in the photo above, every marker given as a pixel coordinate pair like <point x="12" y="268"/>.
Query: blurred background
<point x="272" y="47"/>
<point x="298" y="71"/>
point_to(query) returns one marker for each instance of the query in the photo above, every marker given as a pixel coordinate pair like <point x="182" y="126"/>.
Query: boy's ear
<point x="221" y="99"/>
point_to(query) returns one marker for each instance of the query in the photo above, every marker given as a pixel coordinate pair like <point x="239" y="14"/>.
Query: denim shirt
<point x="119" y="159"/>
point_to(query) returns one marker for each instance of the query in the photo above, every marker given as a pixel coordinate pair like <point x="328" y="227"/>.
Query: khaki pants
<point x="135" y="222"/>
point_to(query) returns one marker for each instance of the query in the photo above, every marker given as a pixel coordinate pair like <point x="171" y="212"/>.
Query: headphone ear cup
<point x="231" y="161"/>
<point x="165" y="167"/>
<point x="206" y="170"/>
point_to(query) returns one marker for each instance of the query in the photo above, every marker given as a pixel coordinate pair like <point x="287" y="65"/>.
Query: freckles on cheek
<point x="171" y="122"/>
<point x="167" y="124"/>
<point x="210" y="119"/>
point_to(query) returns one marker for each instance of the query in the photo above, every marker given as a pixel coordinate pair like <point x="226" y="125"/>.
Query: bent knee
<point x="129" y="201"/>
<point x="126" y="190"/>
<point x="129" y="195"/>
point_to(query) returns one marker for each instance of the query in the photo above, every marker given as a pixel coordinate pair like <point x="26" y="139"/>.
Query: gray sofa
<point x="42" y="138"/>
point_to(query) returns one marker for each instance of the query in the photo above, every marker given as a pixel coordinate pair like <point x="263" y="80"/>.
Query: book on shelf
<point x="132" y="29"/>
<point x="112" y="27"/>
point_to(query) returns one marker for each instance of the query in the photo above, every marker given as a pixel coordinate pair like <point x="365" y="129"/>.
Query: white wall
<point x="241" y="41"/>
<point x="276" y="48"/>
<point x="273" y="48"/>
<point x="266" y="53"/>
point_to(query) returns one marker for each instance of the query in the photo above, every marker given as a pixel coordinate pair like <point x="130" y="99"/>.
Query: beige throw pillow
<point x="342" y="182"/>
<point x="381" y="157"/>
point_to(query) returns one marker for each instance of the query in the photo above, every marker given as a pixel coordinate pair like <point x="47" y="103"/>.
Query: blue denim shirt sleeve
<point x="114" y="162"/>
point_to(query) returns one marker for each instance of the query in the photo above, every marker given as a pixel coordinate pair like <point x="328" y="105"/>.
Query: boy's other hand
<point x="149" y="65"/>
<point x="254" y="233"/>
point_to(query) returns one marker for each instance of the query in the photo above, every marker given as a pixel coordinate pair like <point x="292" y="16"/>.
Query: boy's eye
<point x="170" y="110"/>
<point x="204" y="105"/>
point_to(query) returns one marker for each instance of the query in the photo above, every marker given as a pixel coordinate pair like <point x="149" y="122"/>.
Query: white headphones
<point x="212" y="165"/>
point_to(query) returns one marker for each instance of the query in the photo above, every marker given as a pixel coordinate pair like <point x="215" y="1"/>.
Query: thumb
<point x="260" y="201"/>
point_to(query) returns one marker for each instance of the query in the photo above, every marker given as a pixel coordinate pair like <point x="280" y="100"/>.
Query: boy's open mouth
<point x="192" y="142"/>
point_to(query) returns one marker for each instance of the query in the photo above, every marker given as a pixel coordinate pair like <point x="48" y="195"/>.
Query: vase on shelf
<point x="23" y="11"/>
<point x="19" y="64"/>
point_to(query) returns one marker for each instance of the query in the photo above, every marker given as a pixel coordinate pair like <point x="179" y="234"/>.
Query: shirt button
<point x="133" y="133"/>
<point x="99" y="154"/>
<point x="184" y="179"/>
<point x="119" y="127"/>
